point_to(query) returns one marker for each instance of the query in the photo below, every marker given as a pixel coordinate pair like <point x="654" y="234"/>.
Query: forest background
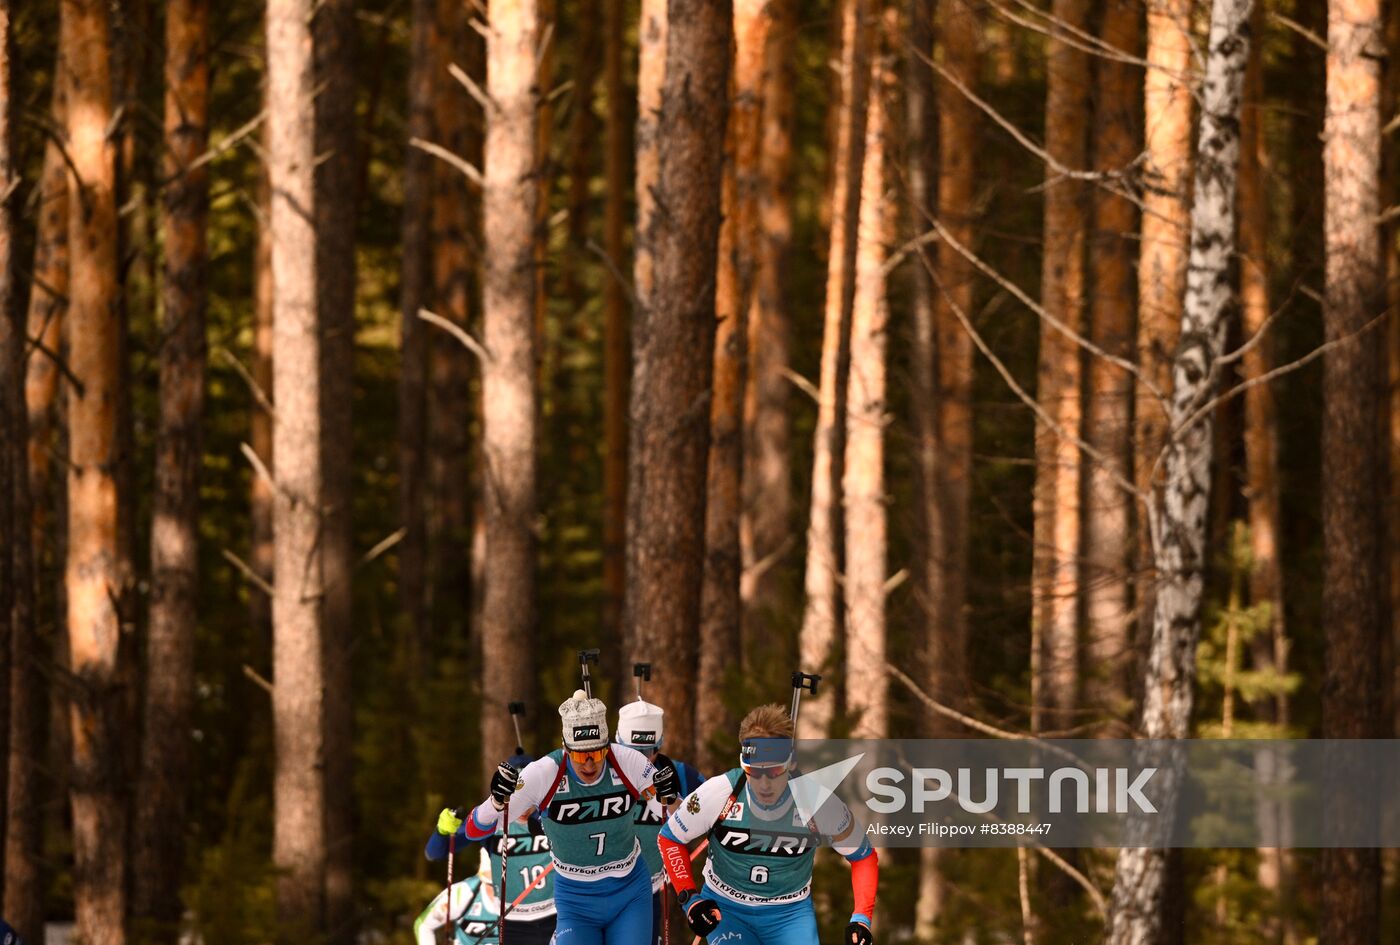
<point x="365" y="359"/>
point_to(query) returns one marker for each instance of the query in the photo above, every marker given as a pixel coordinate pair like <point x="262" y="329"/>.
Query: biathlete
<point x="531" y="921"/>
<point x="758" y="875"/>
<point x="641" y="725"/>
<point x="585" y="795"/>
<point x="473" y="912"/>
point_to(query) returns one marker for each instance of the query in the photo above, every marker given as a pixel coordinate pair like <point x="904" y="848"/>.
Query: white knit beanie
<point x="640" y="725"/>
<point x="585" y="722"/>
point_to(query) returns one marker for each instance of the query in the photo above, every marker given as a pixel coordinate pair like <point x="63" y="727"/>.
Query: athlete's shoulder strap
<point x="558" y="758"/>
<point x="739" y="784"/>
<point x="631" y="789"/>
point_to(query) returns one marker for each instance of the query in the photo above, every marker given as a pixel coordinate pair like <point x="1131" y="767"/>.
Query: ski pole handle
<point x="641" y="672"/>
<point x="516" y="710"/>
<point x="584" y="658"/>
<point x="802" y="681"/>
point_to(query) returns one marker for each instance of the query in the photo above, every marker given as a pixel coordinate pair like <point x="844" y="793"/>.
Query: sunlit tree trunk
<point x="1162" y="249"/>
<point x="1270" y="646"/>
<point x="13" y="528"/>
<point x="765" y="530"/>
<point x="617" y="359"/>
<point x="414" y="287"/>
<point x="260" y="426"/>
<point x="821" y="613"/>
<point x="720" y="609"/>
<point x="28" y="786"/>
<point x="168" y="719"/>
<point x="1391" y="430"/>
<point x="92" y="577"/>
<point x="1179" y="528"/>
<point x="1109" y="552"/>
<point x="863" y="477"/>
<point x="299" y="841"/>
<point x="336" y="213"/>
<point x="508" y="376"/>
<point x="1350" y="424"/>
<point x="1055" y="578"/>
<point x="583" y="135"/>
<point x="673" y="347"/>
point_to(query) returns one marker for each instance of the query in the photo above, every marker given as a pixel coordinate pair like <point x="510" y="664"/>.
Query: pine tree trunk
<point x="617" y="358"/>
<point x="1055" y="579"/>
<point x="765" y="529"/>
<point x="92" y="577"/>
<point x="1179" y="531"/>
<point x="166" y="748"/>
<point x="1162" y="250"/>
<point x="863" y="477"/>
<point x="336" y="213"/>
<point x="1391" y="431"/>
<point x="583" y="135"/>
<point x="454" y="225"/>
<point x="414" y="282"/>
<point x="299" y="840"/>
<point x="720" y="604"/>
<point x="947" y="535"/>
<point x="1270" y="648"/>
<point x="14" y="540"/>
<point x="28" y="786"/>
<point x="509" y="204"/>
<point x="673" y="345"/>
<point x="821" y="613"/>
<point x="1350" y="423"/>
<point x="1109" y="552"/>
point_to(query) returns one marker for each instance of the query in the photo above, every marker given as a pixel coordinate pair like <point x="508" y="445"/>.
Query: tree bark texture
<point x="863" y="471"/>
<point x="336" y="213"/>
<point x="260" y="493"/>
<point x="617" y="356"/>
<point x="1109" y="550"/>
<point x="1162" y="250"/>
<point x="92" y="575"/>
<point x="720" y="603"/>
<point x="1055" y="579"/>
<point x="1179" y="530"/>
<point x="509" y="407"/>
<point x="1351" y="458"/>
<point x="821" y="613"/>
<point x="673" y="345"/>
<point x="951" y="462"/>
<point x="765" y="530"/>
<point x="299" y="841"/>
<point x="13" y="540"/>
<point x="414" y="282"/>
<point x="168" y="717"/>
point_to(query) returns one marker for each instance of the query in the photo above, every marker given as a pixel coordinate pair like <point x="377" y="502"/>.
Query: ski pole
<point x="641" y="672"/>
<point x="505" y="853"/>
<point x="516" y="710"/>
<point x="584" y="658"/>
<point x="801" y="681"/>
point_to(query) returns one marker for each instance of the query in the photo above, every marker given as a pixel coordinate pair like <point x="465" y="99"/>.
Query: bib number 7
<point x="602" y="839"/>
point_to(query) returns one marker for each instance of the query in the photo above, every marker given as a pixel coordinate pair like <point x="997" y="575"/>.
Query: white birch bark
<point x="1179" y="526"/>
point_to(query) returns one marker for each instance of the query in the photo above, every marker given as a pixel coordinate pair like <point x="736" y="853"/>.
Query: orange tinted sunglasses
<point x="593" y="754"/>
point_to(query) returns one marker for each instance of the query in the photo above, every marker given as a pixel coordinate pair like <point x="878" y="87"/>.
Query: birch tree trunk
<point x="92" y="575"/>
<point x="414" y="282"/>
<point x="509" y="414"/>
<point x="765" y="530"/>
<point x="720" y="611"/>
<point x="1351" y="459"/>
<point x="1162" y="250"/>
<point x="821" y="613"/>
<point x="1109" y="551"/>
<point x="299" y="841"/>
<point x="673" y="344"/>
<point x="168" y="719"/>
<point x="1179" y="529"/>
<point x="1055" y="584"/>
<point x="336" y="213"/>
<point x="863" y="481"/>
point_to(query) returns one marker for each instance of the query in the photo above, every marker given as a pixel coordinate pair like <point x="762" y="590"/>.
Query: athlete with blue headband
<point x="758" y="876"/>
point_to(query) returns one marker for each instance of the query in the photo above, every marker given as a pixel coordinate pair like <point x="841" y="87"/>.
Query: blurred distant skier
<point x="473" y="911"/>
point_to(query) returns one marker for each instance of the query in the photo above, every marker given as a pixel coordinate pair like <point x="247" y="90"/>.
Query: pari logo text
<point x="979" y="790"/>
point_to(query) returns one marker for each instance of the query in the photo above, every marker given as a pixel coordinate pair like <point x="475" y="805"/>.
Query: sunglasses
<point x="766" y="771"/>
<point x="594" y="754"/>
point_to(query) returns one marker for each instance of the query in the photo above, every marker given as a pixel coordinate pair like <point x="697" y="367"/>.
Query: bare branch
<point x="58" y="362"/>
<point x="260" y="468"/>
<point x="802" y="384"/>
<point x="384" y="545"/>
<point x="614" y="272"/>
<point x="1298" y="28"/>
<point x="1255" y="339"/>
<point x="227" y="143"/>
<point x="460" y="163"/>
<point x="254" y="578"/>
<point x="456" y="331"/>
<point x="259" y="395"/>
<point x="262" y="683"/>
<point x="473" y="89"/>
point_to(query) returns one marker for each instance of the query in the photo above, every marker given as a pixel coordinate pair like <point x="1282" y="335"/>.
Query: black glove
<point x="666" y="779"/>
<point x="503" y="784"/>
<point x="535" y="825"/>
<point x="857" y="933"/>
<point x="703" y="916"/>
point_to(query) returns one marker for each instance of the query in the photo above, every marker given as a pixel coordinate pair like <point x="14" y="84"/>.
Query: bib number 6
<point x="759" y="874"/>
